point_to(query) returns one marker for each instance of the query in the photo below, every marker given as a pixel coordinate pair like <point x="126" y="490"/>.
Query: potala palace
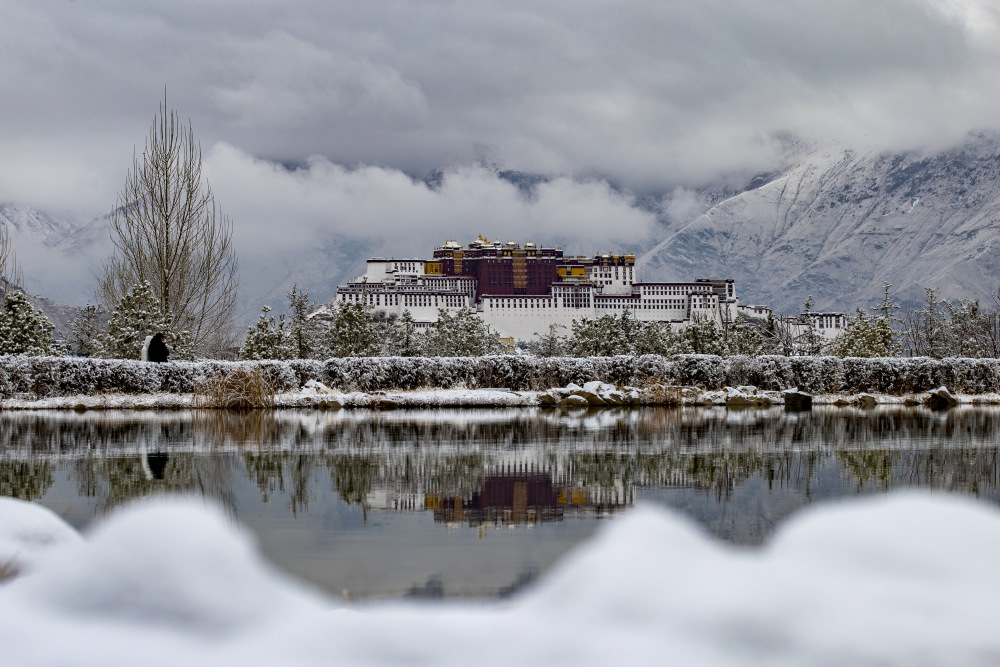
<point x="521" y="291"/>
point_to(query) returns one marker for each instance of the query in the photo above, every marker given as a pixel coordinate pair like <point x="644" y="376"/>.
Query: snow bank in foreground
<point x="909" y="579"/>
<point x="27" y="530"/>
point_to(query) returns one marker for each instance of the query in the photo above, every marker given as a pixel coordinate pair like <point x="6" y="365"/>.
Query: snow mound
<point x="27" y="531"/>
<point x="908" y="579"/>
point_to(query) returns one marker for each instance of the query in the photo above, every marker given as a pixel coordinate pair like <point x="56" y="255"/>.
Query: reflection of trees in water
<point x="268" y="469"/>
<point x="25" y="480"/>
<point x="973" y="471"/>
<point x="353" y="476"/>
<point x="114" y="481"/>
<point x="450" y="453"/>
<point x="700" y="429"/>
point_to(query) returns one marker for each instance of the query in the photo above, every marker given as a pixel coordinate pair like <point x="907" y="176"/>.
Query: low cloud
<point x="279" y="210"/>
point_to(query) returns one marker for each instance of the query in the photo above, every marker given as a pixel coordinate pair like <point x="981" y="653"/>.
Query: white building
<point x="520" y="292"/>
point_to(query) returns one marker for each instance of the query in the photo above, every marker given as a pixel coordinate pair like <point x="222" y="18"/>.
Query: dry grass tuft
<point x="243" y="388"/>
<point x="8" y="569"/>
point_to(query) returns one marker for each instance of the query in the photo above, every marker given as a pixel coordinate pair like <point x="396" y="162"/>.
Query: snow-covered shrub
<point x="921" y="373"/>
<point x="699" y="370"/>
<point x="60" y="376"/>
<point x="739" y="370"/>
<point x="618" y="370"/>
<point x="652" y="368"/>
<point x="976" y="376"/>
<point x="6" y="388"/>
<point x="772" y="372"/>
<point x="307" y="369"/>
<point x="817" y="374"/>
<point x="878" y="375"/>
<point x="280" y="375"/>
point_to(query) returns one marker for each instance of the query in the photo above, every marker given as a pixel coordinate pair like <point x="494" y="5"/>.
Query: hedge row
<point x="42" y="377"/>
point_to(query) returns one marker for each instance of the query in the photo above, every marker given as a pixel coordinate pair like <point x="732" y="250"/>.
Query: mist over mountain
<point x="836" y="224"/>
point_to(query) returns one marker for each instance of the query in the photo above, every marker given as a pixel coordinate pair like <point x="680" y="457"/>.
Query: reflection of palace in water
<point x="526" y="492"/>
<point x="526" y="495"/>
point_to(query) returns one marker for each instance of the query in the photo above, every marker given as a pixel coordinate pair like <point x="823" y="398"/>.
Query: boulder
<point x="867" y="401"/>
<point x="738" y="399"/>
<point x="590" y="397"/>
<point x="573" y="401"/>
<point x="549" y="397"/>
<point x="710" y="398"/>
<point x="940" y="399"/>
<point x="614" y="398"/>
<point x="797" y="400"/>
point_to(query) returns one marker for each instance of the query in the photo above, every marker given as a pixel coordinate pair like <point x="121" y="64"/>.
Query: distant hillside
<point x="837" y="224"/>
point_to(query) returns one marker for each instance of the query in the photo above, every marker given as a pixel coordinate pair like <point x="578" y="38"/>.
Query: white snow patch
<point x="27" y="531"/>
<point x="908" y="579"/>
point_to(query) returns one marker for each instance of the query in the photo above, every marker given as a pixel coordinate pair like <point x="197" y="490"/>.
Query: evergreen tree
<point x="268" y="339"/>
<point x="810" y="342"/>
<point x="597" y="338"/>
<point x="746" y="339"/>
<point x="888" y="306"/>
<point x="136" y="316"/>
<point x="389" y="334"/>
<point x="24" y="329"/>
<point x="302" y="332"/>
<point x="86" y="332"/>
<point x="867" y="337"/>
<point x="461" y="334"/>
<point x="657" y="338"/>
<point x="549" y="344"/>
<point x="705" y="337"/>
<point x="351" y="332"/>
<point x="409" y="337"/>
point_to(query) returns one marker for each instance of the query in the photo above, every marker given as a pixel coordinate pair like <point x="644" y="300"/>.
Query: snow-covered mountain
<point x="836" y="224"/>
<point x="56" y="255"/>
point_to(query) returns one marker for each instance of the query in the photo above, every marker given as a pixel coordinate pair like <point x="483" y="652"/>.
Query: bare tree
<point x="10" y="273"/>
<point x="168" y="231"/>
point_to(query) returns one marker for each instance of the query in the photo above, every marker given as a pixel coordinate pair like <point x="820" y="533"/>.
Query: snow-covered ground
<point x="429" y="398"/>
<point x="900" y="580"/>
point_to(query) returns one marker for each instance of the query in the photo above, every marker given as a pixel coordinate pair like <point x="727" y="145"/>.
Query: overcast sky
<point x="316" y="113"/>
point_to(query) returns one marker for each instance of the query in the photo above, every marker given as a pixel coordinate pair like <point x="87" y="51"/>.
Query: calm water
<point x="435" y="503"/>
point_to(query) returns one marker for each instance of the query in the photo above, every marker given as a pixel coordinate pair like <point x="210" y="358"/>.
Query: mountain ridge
<point x="838" y="224"/>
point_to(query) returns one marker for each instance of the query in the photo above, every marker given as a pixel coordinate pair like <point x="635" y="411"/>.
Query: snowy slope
<point x="56" y="256"/>
<point x="171" y="582"/>
<point x="837" y="224"/>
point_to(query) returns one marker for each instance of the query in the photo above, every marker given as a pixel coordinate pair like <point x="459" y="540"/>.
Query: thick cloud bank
<point x="644" y="94"/>
<point x="909" y="579"/>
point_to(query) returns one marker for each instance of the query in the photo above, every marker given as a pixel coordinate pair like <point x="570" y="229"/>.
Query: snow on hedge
<point x="41" y="377"/>
<point x="899" y="580"/>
